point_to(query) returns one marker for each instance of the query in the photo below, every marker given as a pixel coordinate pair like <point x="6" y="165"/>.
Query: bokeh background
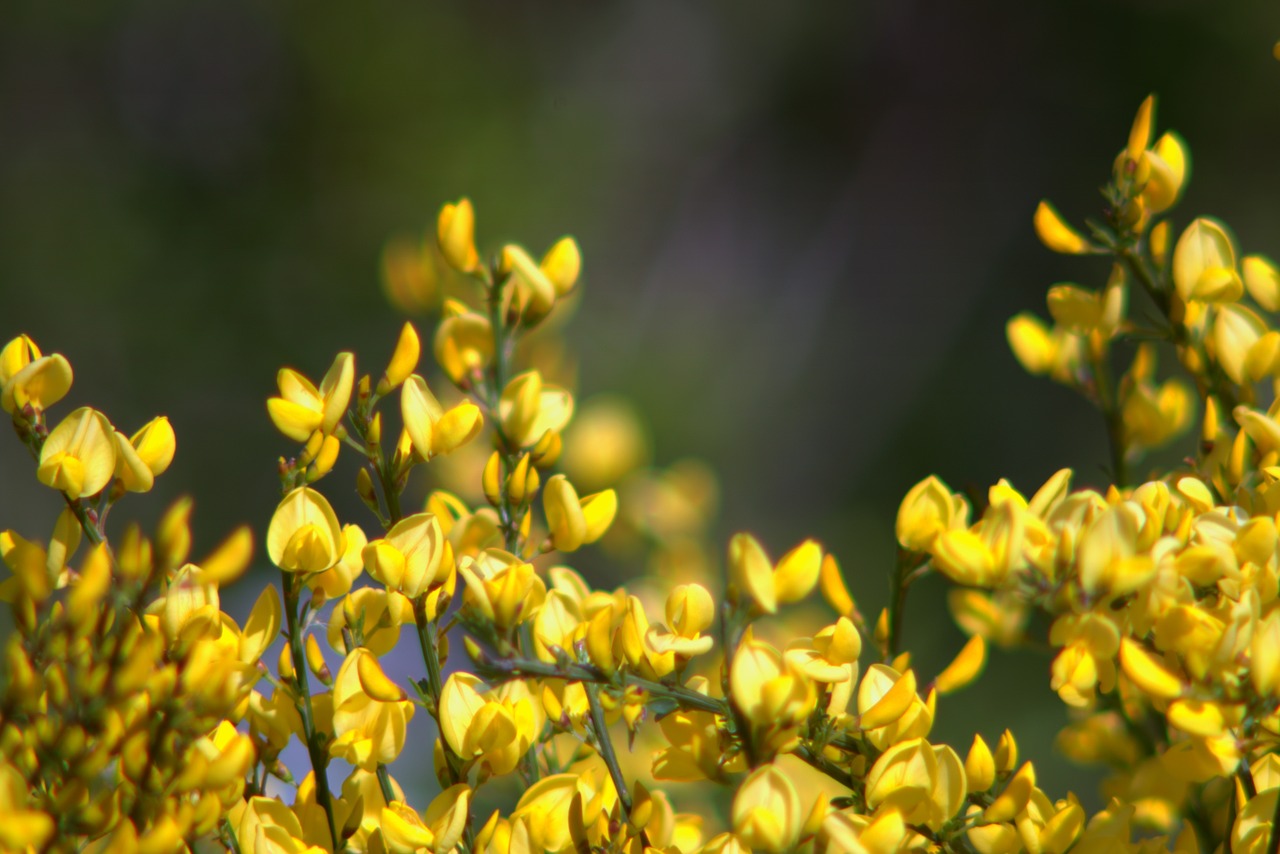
<point x="804" y="227"/>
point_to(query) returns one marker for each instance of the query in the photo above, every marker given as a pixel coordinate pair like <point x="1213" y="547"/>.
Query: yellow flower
<point x="575" y="522"/>
<point x="529" y="409"/>
<point x="772" y="694"/>
<point x="464" y="342"/>
<point x="79" y="456"/>
<point x="301" y="409"/>
<point x="438" y="830"/>
<point x="928" y="510"/>
<point x="1204" y="264"/>
<point x="367" y="730"/>
<point x="495" y="728"/>
<point x="767" y="814"/>
<point x="504" y="589"/>
<point x="29" y="379"/>
<point x="304" y="535"/>
<point x="769" y="585"/>
<point x="376" y="613"/>
<point x="431" y="429"/>
<point x="408" y="559"/>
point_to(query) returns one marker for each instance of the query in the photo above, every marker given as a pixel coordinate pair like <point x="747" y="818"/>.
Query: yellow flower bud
<point x="491" y="479"/>
<point x="1056" y="234"/>
<point x="980" y="766"/>
<point x="455" y="230"/>
<point x="562" y="265"/>
<point x="404" y="360"/>
<point x="1140" y="133"/>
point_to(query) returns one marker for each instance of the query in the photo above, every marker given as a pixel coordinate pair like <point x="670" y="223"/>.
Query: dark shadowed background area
<point x="804" y="226"/>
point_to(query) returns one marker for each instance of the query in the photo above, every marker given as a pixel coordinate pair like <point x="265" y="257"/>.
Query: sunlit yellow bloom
<point x="337" y="580"/>
<point x="503" y="588"/>
<point x="772" y="694"/>
<point x="378" y="615"/>
<point x="769" y="585"/>
<point x="368" y="730"/>
<point x="304" y="535"/>
<point x="493" y="728"/>
<point x="529" y="409"/>
<point x="575" y="522"/>
<point x="408" y="559"/>
<point x="301" y="409"/>
<point x="928" y="510"/>
<point x="30" y="379"/>
<point x="79" y="456"/>
<point x="766" y="811"/>
<point x="431" y="428"/>
<point x="1204" y="264"/>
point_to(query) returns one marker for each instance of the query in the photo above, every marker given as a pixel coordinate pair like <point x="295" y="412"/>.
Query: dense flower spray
<point x="135" y="715"/>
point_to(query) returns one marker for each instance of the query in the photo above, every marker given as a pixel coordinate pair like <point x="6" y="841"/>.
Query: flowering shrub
<point x="135" y="715"/>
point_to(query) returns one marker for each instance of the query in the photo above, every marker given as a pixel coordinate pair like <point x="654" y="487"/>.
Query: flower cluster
<point x="135" y="715"/>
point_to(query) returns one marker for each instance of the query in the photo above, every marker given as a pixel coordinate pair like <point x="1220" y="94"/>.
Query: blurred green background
<point x="804" y="226"/>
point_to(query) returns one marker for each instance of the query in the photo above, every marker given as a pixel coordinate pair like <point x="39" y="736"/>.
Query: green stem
<point x="506" y="669"/>
<point x="384" y="781"/>
<point x="1109" y="403"/>
<point x="604" y="746"/>
<point x="435" y="688"/>
<point x="903" y="574"/>
<point x="319" y="762"/>
<point x="228" y="835"/>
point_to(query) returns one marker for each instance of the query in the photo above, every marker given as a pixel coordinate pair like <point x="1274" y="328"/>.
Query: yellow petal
<point x="565" y="519"/>
<point x="1140" y="133"/>
<point x="420" y="410"/>
<point x="455" y="230"/>
<point x="1056" y="234"/>
<point x="599" y="511"/>
<point x="404" y="360"/>
<point x="751" y="571"/>
<point x="374" y="681"/>
<point x="155" y="444"/>
<point x="1263" y="281"/>
<point x="1147" y="672"/>
<point x="964" y="668"/>
<point x="294" y="420"/>
<point x="562" y="265"/>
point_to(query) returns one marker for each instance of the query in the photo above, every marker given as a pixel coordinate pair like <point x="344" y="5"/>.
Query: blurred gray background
<point x="804" y="226"/>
